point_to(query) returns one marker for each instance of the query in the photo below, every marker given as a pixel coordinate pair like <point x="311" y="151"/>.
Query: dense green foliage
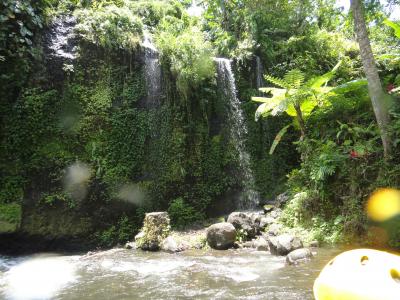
<point x="91" y="116"/>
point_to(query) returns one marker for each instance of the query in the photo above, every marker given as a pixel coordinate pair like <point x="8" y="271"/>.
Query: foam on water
<point x="38" y="278"/>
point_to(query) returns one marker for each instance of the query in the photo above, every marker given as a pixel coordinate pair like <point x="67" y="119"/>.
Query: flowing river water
<point x="133" y="274"/>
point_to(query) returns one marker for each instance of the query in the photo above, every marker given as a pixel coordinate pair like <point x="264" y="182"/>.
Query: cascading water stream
<point x="226" y="82"/>
<point x="61" y="38"/>
<point x="152" y="70"/>
<point x="259" y="73"/>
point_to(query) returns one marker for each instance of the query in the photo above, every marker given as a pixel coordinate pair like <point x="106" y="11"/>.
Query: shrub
<point x="111" y="27"/>
<point x="182" y="214"/>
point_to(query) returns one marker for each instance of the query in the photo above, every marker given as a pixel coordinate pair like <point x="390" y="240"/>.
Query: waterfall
<point x="61" y="40"/>
<point x="152" y="71"/>
<point x="259" y="73"/>
<point x="226" y="82"/>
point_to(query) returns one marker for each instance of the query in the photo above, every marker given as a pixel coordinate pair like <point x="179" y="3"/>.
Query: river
<point x="133" y="274"/>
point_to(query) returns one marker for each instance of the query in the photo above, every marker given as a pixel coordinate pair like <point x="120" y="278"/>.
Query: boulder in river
<point x="298" y="255"/>
<point x="130" y="245"/>
<point x="248" y="222"/>
<point x="221" y="236"/>
<point x="284" y="244"/>
<point x="170" y="245"/>
<point x="261" y="244"/>
<point x="155" y="229"/>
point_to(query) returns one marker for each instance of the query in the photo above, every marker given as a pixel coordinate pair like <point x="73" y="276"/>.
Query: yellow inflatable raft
<point x="361" y="274"/>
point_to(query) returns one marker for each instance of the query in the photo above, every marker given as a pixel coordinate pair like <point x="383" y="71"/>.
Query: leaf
<point x="308" y="106"/>
<point x="262" y="111"/>
<point x="294" y="78"/>
<point x="260" y="99"/>
<point x="395" y="27"/>
<point x="319" y="81"/>
<point x="278" y="138"/>
<point x="273" y="91"/>
<point x="277" y="81"/>
<point x="350" y="86"/>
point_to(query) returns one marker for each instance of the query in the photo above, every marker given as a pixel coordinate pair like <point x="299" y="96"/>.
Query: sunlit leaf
<point x="395" y="26"/>
<point x="278" y="138"/>
<point x="350" y="86"/>
<point x="319" y="81"/>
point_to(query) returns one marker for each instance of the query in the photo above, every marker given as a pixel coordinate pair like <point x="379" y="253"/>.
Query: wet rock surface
<point x="248" y="222"/>
<point x="221" y="236"/>
<point x="298" y="256"/>
<point x="284" y="244"/>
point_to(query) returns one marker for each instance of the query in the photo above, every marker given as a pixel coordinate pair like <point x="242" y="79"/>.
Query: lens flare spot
<point x="76" y="180"/>
<point x="131" y="193"/>
<point x="383" y="204"/>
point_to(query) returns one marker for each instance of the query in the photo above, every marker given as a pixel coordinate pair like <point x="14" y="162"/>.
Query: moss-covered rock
<point x="155" y="229"/>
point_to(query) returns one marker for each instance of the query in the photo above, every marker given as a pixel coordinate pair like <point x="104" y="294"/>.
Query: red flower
<point x="390" y="87"/>
<point x="353" y="154"/>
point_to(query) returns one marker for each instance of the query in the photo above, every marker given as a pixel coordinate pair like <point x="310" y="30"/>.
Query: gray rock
<point x="155" y="229"/>
<point x="221" y="236"/>
<point x="274" y="229"/>
<point x="275" y="213"/>
<point x="284" y="244"/>
<point x="266" y="221"/>
<point x="248" y="222"/>
<point x="261" y="244"/>
<point x="170" y="245"/>
<point x="130" y="245"/>
<point x="314" y="244"/>
<point x="248" y="244"/>
<point x="282" y="199"/>
<point x="298" y="255"/>
<point x="268" y="208"/>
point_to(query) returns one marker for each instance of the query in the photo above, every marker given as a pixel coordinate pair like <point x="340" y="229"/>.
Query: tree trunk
<point x="380" y="101"/>
<point x="300" y="119"/>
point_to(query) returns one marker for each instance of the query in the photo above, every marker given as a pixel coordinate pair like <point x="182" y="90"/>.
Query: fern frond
<point x="277" y="81"/>
<point x="294" y="78"/>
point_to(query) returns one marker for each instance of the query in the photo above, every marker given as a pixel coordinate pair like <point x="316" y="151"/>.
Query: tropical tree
<point x="295" y="96"/>
<point x="380" y="101"/>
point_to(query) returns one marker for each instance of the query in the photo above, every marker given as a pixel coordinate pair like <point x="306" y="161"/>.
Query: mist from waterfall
<point x="152" y="70"/>
<point x="226" y="83"/>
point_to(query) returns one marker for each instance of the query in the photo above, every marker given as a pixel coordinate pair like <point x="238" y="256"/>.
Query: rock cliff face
<point x="144" y="144"/>
<point x="139" y="154"/>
